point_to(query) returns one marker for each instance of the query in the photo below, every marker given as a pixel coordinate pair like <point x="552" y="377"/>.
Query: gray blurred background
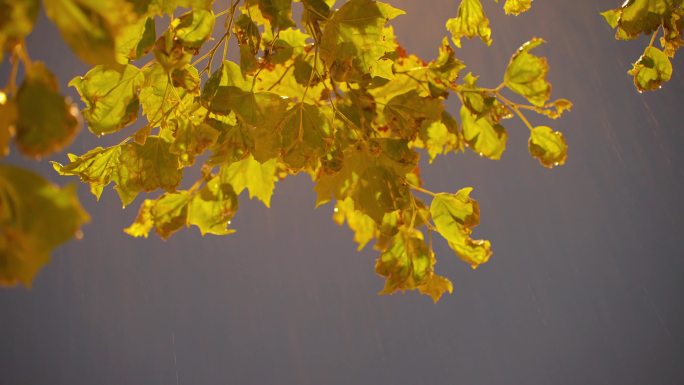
<point x="586" y="285"/>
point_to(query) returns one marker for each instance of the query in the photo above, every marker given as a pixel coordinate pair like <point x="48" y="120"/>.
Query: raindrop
<point x="78" y="235"/>
<point x="481" y="154"/>
<point x="336" y="210"/>
<point x="556" y="164"/>
<point x="229" y="222"/>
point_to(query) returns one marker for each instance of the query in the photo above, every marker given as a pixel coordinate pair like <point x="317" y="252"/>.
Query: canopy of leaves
<point x="332" y="95"/>
<point x="650" y="17"/>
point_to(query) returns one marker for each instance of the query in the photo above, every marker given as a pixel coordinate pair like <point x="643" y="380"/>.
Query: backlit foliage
<point x="655" y="18"/>
<point x="331" y="94"/>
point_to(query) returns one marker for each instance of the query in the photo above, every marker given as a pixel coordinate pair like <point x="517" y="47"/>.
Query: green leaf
<point x="436" y="286"/>
<point x="261" y="109"/>
<point x="96" y="167"/>
<point x="135" y="40"/>
<point x="455" y="215"/>
<point x="612" y="17"/>
<point x="446" y="66"/>
<point x="229" y="74"/>
<point x="258" y="178"/>
<point x="194" y="28"/>
<point x="354" y="38"/>
<point x="159" y="94"/>
<point x="149" y="36"/>
<point x="46" y="122"/>
<point x="297" y="81"/>
<point x="548" y="146"/>
<point x="651" y="70"/>
<point x="92" y="28"/>
<point x="372" y="177"/>
<point x="260" y="112"/>
<point x="16" y="21"/>
<point x="132" y="167"/>
<point x="248" y="35"/>
<point x="408" y="265"/>
<point x="144" y="222"/>
<point x="438" y="139"/>
<point x="190" y="140"/>
<point x="406" y="112"/>
<point x="290" y="42"/>
<point x="362" y="225"/>
<point x="390" y="159"/>
<point x="380" y="191"/>
<point x="234" y="140"/>
<point x="305" y="136"/>
<point x="470" y="22"/>
<point x="277" y="12"/>
<point x="170" y="53"/>
<point x="35" y="217"/>
<point x="146" y="167"/>
<point x="483" y="135"/>
<point x="212" y="208"/>
<point x="110" y="96"/>
<point x="167" y="215"/>
<point x="526" y="74"/>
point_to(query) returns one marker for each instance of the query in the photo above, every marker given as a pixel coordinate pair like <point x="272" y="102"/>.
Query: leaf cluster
<point x="650" y="17"/>
<point x="332" y="95"/>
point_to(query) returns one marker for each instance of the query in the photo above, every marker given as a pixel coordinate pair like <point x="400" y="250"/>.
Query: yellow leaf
<point x="526" y="74"/>
<point x="470" y="22"/>
<point x="516" y="7"/>
<point x="35" y="217"/>
<point x="258" y="178"/>
<point x="455" y="215"/>
<point x="651" y="70"/>
<point x="485" y="137"/>
<point x="548" y="146"/>
<point x="46" y="121"/>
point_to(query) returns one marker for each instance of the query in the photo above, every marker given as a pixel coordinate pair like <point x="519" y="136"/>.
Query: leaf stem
<point x="514" y="106"/>
<point x="653" y="37"/>
<point x="311" y="76"/>
<point x="420" y="189"/>
<point x="233" y="7"/>
<point x="280" y="79"/>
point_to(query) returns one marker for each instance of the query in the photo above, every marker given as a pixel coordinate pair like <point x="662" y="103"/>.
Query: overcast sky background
<point x="585" y="286"/>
